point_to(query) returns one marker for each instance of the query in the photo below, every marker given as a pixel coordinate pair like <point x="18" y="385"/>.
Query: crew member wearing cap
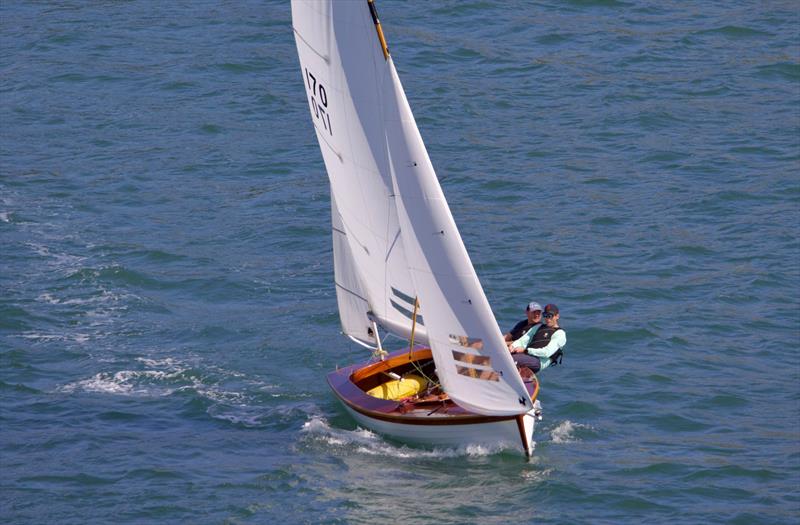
<point x="541" y="346"/>
<point x="533" y="313"/>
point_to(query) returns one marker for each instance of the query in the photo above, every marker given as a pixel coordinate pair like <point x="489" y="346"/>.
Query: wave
<point x="125" y="382"/>
<point x="566" y="432"/>
<point x="160" y="377"/>
<point x="62" y="262"/>
<point x="208" y="391"/>
<point x="46" y="338"/>
<point x="102" y="296"/>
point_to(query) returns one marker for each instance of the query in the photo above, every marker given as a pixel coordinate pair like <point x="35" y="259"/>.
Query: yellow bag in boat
<point x="395" y="390"/>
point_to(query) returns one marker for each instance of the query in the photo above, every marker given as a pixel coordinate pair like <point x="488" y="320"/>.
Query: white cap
<point x="533" y="306"/>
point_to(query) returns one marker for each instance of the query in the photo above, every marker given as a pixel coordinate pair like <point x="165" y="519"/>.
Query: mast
<point x="374" y="12"/>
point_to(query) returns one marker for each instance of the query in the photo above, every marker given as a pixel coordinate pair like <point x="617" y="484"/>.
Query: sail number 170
<point x="318" y="97"/>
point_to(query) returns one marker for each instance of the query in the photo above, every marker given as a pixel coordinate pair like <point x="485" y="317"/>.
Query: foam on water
<point x="75" y="337"/>
<point x="64" y="263"/>
<point x="102" y="297"/>
<point x="164" y="377"/>
<point x="165" y="362"/>
<point x="565" y="432"/>
<point x="536" y="475"/>
<point x="126" y="382"/>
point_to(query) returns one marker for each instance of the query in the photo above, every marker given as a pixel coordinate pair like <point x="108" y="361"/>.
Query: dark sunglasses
<point x="548" y="316"/>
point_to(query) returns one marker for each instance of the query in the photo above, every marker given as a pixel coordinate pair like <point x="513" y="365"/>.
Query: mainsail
<point x="353" y="305"/>
<point x="402" y="239"/>
<point x="341" y="70"/>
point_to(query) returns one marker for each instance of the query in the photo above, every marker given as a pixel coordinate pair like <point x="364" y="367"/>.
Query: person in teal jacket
<point x="541" y="346"/>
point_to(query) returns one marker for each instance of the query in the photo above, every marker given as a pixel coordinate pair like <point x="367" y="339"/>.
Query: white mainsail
<point x="353" y="305"/>
<point x="402" y="237"/>
<point x="341" y="68"/>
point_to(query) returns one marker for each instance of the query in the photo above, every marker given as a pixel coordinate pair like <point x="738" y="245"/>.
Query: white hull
<point x="453" y="435"/>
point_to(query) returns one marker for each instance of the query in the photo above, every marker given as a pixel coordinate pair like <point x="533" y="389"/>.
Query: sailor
<point x="541" y="346"/>
<point x="533" y="316"/>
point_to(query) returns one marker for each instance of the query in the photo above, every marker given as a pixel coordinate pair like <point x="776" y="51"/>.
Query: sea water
<point x="167" y="309"/>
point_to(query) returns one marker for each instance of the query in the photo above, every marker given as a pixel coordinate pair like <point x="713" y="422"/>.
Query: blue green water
<point x="167" y="313"/>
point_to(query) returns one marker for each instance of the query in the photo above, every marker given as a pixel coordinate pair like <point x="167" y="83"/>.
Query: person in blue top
<point x="541" y="346"/>
<point x="533" y="316"/>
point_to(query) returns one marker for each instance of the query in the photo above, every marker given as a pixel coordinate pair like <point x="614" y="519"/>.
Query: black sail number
<point x="318" y="98"/>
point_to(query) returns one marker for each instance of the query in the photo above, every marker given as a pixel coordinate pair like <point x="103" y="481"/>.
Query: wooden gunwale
<point x="343" y="384"/>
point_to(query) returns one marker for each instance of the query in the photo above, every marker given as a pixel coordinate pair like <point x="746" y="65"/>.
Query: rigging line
<point x="419" y="369"/>
<point x="411" y="345"/>
<point x="413" y="327"/>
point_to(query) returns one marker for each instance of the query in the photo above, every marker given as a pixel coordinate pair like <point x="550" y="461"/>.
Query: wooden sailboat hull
<point x="430" y="422"/>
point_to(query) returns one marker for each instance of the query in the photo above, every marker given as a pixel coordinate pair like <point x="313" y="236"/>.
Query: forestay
<point x="383" y="183"/>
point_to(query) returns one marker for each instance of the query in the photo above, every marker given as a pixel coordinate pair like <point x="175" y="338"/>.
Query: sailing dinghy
<point x="400" y="264"/>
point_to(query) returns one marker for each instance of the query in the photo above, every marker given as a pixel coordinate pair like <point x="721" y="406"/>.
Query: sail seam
<point x="321" y="137"/>
<point x="348" y="290"/>
<point x="391" y="247"/>
<point x="326" y="58"/>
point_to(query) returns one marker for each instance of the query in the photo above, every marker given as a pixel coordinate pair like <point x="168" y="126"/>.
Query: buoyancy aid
<point x="520" y="329"/>
<point x="541" y="339"/>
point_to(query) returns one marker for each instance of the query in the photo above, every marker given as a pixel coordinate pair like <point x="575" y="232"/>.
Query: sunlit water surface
<point x="167" y="312"/>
